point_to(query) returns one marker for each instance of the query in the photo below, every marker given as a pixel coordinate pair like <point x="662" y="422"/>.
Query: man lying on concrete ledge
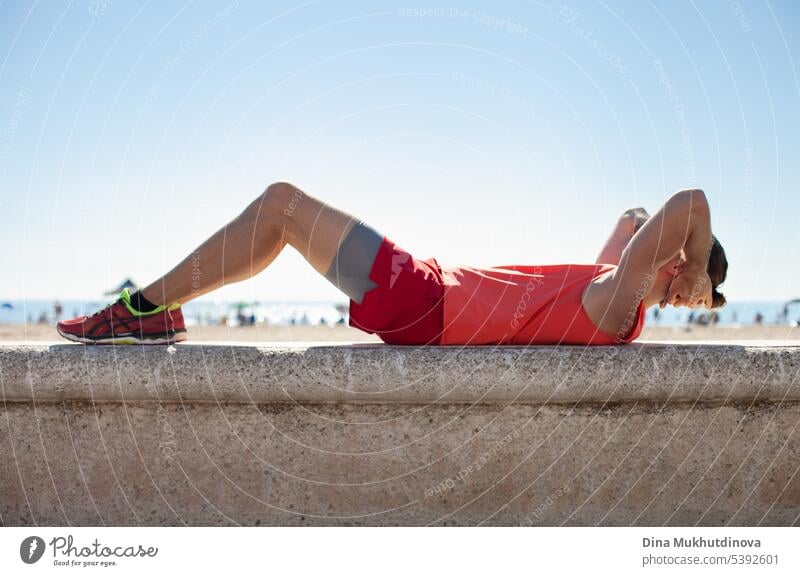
<point x="669" y="258"/>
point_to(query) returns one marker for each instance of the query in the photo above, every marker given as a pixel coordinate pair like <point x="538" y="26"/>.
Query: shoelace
<point x="105" y="310"/>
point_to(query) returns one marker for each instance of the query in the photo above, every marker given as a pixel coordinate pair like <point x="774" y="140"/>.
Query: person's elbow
<point x="633" y="213"/>
<point x="694" y="198"/>
<point x="628" y="220"/>
<point x="635" y="218"/>
<point x="691" y="201"/>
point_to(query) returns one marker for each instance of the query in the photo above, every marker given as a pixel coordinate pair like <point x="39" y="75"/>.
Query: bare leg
<point x="281" y="215"/>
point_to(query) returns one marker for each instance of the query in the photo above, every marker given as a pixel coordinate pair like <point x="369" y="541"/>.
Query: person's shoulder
<point x="601" y="302"/>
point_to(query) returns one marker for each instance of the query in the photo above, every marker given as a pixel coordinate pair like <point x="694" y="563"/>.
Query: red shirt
<point x="526" y="305"/>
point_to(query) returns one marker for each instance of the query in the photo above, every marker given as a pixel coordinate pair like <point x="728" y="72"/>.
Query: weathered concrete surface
<point x="373" y="373"/>
<point x="638" y="435"/>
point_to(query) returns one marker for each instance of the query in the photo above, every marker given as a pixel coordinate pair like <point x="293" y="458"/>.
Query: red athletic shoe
<point x="120" y="323"/>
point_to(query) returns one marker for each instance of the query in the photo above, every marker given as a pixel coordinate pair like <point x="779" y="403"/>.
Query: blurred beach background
<point x="207" y="321"/>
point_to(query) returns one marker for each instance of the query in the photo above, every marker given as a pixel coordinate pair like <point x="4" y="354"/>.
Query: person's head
<point x="717" y="271"/>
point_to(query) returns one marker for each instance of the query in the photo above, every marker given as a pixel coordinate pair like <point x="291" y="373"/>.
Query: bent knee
<point x="277" y="202"/>
<point x="283" y="198"/>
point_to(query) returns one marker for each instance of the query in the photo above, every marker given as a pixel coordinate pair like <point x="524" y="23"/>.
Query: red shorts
<point x="406" y="305"/>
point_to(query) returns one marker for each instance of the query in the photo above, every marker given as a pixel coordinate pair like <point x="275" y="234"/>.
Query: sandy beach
<point x="264" y="333"/>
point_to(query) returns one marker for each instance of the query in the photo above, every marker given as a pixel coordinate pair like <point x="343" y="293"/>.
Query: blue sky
<point x="476" y="132"/>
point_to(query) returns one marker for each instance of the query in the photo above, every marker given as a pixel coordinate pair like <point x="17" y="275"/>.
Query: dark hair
<point x="717" y="271"/>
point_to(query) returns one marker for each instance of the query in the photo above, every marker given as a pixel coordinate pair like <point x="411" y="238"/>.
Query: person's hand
<point x="690" y="288"/>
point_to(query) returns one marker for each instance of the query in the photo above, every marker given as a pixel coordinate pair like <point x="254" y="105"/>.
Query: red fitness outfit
<point x="526" y="305"/>
<point x="406" y="305"/>
<point x="421" y="302"/>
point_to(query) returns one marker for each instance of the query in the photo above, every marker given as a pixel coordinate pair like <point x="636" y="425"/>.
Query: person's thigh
<point x="338" y="245"/>
<point x="313" y="228"/>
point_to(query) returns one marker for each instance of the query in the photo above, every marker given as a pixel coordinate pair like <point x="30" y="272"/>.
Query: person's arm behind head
<point x="683" y="223"/>
<point x="627" y="225"/>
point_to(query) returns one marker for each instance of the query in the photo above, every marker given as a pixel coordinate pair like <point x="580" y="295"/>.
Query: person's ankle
<point x="142" y="304"/>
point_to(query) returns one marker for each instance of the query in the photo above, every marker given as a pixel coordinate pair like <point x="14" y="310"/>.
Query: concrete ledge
<point x="370" y="373"/>
<point x="277" y="434"/>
